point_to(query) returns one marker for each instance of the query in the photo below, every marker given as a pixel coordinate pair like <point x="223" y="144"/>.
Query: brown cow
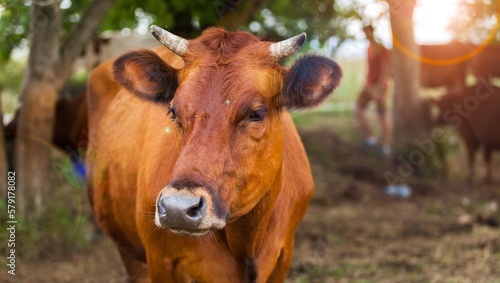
<point x="215" y="191"/>
<point x="70" y="121"/>
<point x="486" y="64"/>
<point x="474" y="111"/>
<point x="441" y="70"/>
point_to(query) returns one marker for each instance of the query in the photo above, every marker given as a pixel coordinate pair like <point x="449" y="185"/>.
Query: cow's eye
<point x="257" y="115"/>
<point x="171" y="112"/>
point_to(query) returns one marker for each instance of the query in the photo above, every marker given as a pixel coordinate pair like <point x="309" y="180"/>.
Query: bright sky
<point x="431" y="18"/>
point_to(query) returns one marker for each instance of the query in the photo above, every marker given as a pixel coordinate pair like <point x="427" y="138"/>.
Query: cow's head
<point x="226" y="105"/>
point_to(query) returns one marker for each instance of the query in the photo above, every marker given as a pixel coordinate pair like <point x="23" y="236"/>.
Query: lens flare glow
<point x="432" y="19"/>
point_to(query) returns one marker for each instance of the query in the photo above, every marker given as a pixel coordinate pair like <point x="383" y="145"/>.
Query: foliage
<point x="11" y="74"/>
<point x="13" y="26"/>
<point x="185" y="18"/>
<point x="477" y="19"/>
<point x="11" y="78"/>
<point x="322" y="20"/>
<point x="325" y="21"/>
<point x="15" y="17"/>
<point x="72" y="12"/>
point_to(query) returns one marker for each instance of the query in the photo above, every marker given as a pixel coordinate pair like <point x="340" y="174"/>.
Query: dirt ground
<point x="353" y="231"/>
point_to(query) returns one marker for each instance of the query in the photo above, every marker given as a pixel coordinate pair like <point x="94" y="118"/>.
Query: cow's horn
<point x="174" y="43"/>
<point x="287" y="47"/>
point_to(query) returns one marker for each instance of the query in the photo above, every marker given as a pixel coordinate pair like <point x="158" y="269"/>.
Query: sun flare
<point x="431" y="20"/>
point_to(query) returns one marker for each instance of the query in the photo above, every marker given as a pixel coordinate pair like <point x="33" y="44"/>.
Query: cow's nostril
<point x="162" y="211"/>
<point x="196" y="212"/>
<point x="181" y="210"/>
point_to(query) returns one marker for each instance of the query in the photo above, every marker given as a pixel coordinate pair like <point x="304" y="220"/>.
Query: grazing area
<point x="353" y="231"/>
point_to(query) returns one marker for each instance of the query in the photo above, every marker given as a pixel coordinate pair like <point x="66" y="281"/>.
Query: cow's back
<point x="486" y="63"/>
<point x="442" y="65"/>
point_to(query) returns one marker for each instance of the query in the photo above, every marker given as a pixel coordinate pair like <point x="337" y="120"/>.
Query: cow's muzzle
<point x="187" y="211"/>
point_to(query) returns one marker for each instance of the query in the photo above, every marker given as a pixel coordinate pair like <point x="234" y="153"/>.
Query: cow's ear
<point x="309" y="81"/>
<point x="146" y="75"/>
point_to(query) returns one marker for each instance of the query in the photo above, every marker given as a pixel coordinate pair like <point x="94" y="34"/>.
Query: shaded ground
<point x="353" y="232"/>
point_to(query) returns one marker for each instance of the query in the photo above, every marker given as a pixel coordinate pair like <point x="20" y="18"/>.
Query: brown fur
<point x="449" y="74"/>
<point x="256" y="172"/>
<point x="474" y="112"/>
<point x="486" y="63"/>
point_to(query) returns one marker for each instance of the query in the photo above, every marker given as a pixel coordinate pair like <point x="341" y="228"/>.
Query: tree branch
<point x="81" y="34"/>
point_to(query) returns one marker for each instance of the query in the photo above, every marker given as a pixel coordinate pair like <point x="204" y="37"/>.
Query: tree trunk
<point x="48" y="68"/>
<point x="406" y="74"/>
<point x="409" y="126"/>
<point x="34" y="132"/>
<point x="3" y="156"/>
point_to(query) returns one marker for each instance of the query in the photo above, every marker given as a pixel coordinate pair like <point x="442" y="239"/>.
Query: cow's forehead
<point x="208" y="87"/>
<point x="224" y="67"/>
<point x="247" y="72"/>
<point x="222" y="45"/>
<point x="223" y="48"/>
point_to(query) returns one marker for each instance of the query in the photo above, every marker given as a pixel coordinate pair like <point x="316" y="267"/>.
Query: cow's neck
<point x="245" y="235"/>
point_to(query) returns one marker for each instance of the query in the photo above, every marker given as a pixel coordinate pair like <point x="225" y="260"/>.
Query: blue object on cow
<point x="400" y="191"/>
<point x="72" y="169"/>
<point x="79" y="168"/>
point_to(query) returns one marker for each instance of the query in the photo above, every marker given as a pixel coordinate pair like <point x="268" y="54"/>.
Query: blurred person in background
<point x="375" y="89"/>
